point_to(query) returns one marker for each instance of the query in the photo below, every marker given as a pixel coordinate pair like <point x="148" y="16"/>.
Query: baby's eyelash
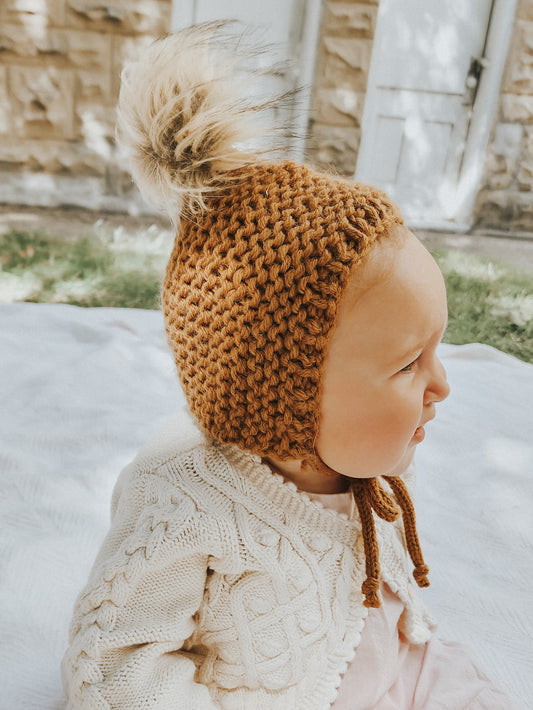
<point x="408" y="367"/>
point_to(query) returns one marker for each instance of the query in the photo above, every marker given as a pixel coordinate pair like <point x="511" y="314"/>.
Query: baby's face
<point x="382" y="377"/>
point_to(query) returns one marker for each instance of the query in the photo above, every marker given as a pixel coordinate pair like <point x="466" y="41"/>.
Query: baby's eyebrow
<point x="410" y="354"/>
<point x="413" y="350"/>
<point x="396" y="357"/>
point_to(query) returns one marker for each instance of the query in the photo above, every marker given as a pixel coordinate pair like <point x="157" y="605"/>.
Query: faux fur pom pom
<point x="181" y="115"/>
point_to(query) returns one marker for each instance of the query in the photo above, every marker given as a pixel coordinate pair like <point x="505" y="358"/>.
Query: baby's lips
<point x="420" y="432"/>
<point x="419" y="435"/>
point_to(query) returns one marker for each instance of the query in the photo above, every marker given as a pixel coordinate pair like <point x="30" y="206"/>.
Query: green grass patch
<point x="93" y="270"/>
<point x="487" y="301"/>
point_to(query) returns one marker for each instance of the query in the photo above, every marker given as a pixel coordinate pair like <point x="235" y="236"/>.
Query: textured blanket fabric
<point x="83" y="389"/>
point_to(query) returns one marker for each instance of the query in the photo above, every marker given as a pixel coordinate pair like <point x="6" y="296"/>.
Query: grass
<point x="94" y="270"/>
<point x="488" y="301"/>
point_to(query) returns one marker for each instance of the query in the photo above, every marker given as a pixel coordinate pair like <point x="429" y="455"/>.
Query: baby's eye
<point x="409" y="367"/>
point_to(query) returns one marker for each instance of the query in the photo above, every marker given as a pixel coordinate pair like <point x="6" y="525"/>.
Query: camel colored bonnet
<point x="263" y="254"/>
<point x="251" y="295"/>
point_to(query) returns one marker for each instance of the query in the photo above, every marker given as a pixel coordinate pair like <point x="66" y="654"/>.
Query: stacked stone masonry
<point x="60" y="63"/>
<point x="343" y="63"/>
<point x="505" y="200"/>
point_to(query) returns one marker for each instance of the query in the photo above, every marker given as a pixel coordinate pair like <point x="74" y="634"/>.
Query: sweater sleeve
<point x="131" y="621"/>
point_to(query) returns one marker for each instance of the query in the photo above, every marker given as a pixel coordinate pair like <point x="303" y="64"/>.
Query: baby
<point x="258" y="555"/>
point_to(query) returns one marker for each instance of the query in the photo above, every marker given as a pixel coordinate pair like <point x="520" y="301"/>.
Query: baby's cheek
<point x="380" y="449"/>
<point x="400" y="428"/>
<point x="404" y="412"/>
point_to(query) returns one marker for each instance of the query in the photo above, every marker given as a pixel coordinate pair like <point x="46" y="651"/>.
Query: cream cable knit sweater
<point x="219" y="585"/>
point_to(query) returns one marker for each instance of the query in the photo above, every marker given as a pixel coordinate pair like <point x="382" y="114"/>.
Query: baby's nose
<point x="439" y="388"/>
<point x="444" y="389"/>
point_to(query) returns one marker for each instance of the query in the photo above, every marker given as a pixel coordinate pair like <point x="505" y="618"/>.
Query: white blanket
<point x="82" y="390"/>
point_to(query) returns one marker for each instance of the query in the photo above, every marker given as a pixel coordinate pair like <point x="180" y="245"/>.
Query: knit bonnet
<point x="263" y="253"/>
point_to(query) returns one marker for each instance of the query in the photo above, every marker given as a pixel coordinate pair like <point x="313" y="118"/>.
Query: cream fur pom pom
<point x="181" y="114"/>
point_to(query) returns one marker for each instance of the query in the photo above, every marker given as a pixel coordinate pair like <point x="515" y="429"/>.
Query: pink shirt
<point x="389" y="673"/>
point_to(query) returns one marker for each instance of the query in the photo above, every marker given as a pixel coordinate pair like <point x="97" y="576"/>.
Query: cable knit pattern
<point x="219" y="585"/>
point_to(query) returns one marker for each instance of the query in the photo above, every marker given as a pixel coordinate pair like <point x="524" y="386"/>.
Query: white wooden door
<point x="423" y="84"/>
<point x="290" y="28"/>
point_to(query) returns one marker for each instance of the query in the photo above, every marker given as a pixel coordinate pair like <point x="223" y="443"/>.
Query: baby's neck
<point x="309" y="481"/>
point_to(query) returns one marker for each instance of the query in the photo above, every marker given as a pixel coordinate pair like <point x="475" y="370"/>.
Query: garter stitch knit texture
<point x="250" y="298"/>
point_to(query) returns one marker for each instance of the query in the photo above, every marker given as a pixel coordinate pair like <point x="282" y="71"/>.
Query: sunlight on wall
<point x="347" y="100"/>
<point x="33" y="14"/>
<point x="95" y="134"/>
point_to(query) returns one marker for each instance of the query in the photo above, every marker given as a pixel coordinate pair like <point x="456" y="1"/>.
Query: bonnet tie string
<point x="370" y="495"/>
<point x="399" y="488"/>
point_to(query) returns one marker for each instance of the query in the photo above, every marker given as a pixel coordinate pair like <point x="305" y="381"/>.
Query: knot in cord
<point x="420" y="574"/>
<point x="369" y="495"/>
<point x="370" y="589"/>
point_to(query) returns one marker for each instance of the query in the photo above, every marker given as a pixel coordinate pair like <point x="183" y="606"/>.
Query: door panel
<point x="275" y="18"/>
<point x="418" y="109"/>
<point x="290" y="29"/>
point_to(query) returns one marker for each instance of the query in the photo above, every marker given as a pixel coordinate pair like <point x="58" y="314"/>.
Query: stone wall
<point x="60" y="63"/>
<point x="343" y="64"/>
<point x="505" y="200"/>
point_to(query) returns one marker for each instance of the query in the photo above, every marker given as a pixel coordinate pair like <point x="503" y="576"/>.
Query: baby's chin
<point x="390" y="463"/>
<point x="403" y="463"/>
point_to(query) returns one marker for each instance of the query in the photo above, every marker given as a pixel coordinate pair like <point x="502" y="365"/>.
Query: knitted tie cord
<point x="250" y="298"/>
<point x="368" y="495"/>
